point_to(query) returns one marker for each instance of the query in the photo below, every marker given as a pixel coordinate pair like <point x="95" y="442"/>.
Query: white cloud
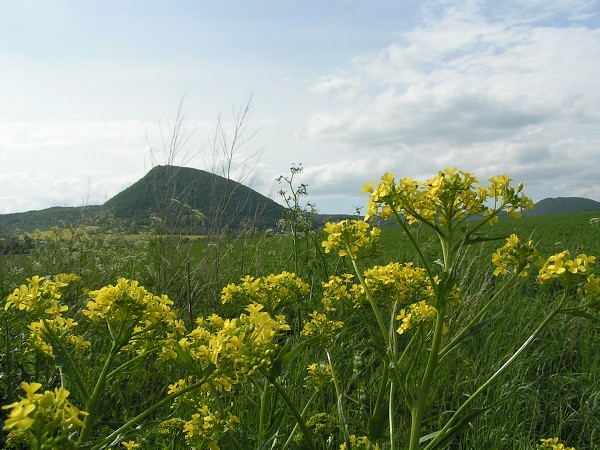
<point x="346" y="87"/>
<point x="72" y="163"/>
<point x="489" y="91"/>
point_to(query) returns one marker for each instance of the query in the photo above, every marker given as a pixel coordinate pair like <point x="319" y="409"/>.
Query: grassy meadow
<point x="319" y="389"/>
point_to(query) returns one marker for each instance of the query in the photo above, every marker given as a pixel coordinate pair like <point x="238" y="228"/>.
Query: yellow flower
<point x="348" y="236"/>
<point x="322" y="327"/>
<point x="129" y="445"/>
<point x="552" y="444"/>
<point x="50" y="410"/>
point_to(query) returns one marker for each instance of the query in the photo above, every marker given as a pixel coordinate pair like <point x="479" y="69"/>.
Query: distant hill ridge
<point x="181" y="194"/>
<point x="563" y="205"/>
<point x="178" y="195"/>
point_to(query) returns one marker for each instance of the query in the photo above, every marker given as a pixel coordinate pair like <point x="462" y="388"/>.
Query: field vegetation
<point x="433" y="319"/>
<point x="408" y="337"/>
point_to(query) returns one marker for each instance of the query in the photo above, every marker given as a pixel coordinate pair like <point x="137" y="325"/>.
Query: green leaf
<point x="448" y="435"/>
<point x="585" y="315"/>
<point x="472" y="332"/>
<point x="377" y="423"/>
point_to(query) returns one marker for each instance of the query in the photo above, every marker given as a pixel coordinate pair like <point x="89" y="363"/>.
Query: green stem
<point x="391" y="415"/>
<point x="94" y="401"/>
<point x="378" y="318"/>
<point x="69" y="364"/>
<point x="147" y="412"/>
<point x="130" y="362"/>
<point x="264" y="405"/>
<point x="338" y="393"/>
<point x="499" y="372"/>
<point x="288" y="401"/>
<point x="423" y="392"/>
<point x="476" y="318"/>
<point x="291" y="436"/>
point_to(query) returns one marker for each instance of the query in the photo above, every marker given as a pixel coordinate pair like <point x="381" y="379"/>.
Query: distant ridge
<point x="178" y="195"/>
<point x="563" y="205"/>
<point x="226" y="204"/>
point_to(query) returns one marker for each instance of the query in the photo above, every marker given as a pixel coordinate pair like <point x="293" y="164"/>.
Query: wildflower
<point x="359" y="443"/>
<point x="416" y="315"/>
<point x="40" y="294"/>
<point x="235" y="347"/>
<point x="48" y="416"/>
<point x="207" y="426"/>
<point x="560" y="266"/>
<point x="552" y="444"/>
<point x="450" y="196"/>
<point x="403" y="283"/>
<point x="591" y="291"/>
<point x="337" y="289"/>
<point x="272" y="291"/>
<point x="142" y="317"/>
<point x="348" y="236"/>
<point x="318" y="375"/>
<point x="514" y="257"/>
<point x="322" y="327"/>
<point x="130" y="445"/>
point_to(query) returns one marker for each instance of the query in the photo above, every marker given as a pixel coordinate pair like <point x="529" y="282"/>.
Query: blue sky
<point x="89" y="94"/>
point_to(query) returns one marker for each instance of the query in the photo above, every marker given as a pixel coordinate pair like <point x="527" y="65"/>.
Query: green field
<point x="551" y="390"/>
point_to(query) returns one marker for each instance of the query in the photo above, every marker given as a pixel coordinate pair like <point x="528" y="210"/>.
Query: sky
<point x="95" y="93"/>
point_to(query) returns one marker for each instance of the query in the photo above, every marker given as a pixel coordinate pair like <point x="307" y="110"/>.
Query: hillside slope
<point x="563" y="205"/>
<point x="180" y="195"/>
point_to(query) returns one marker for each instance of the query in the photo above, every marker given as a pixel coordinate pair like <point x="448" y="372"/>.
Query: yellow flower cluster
<point x="236" y="347"/>
<point x="415" y="316"/>
<point x="206" y="427"/>
<point x="61" y="327"/>
<point x="359" y="443"/>
<point x="322" y="327"/>
<point x="136" y="317"/>
<point x="338" y="289"/>
<point x="319" y="375"/>
<point x="48" y="417"/>
<point x="394" y="282"/>
<point x="42" y="296"/>
<point x="348" y="236"/>
<point x="560" y="266"/>
<point x="552" y="444"/>
<point x="450" y="196"/>
<point x="272" y="291"/>
<point x="591" y="290"/>
<point x="514" y="257"/>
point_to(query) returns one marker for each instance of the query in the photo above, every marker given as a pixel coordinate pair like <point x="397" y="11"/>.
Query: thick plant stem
<point x="378" y="318"/>
<point x="424" y="387"/>
<point x="94" y="402"/>
<point x="69" y="366"/>
<point x="391" y="417"/>
<point x="264" y="406"/>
